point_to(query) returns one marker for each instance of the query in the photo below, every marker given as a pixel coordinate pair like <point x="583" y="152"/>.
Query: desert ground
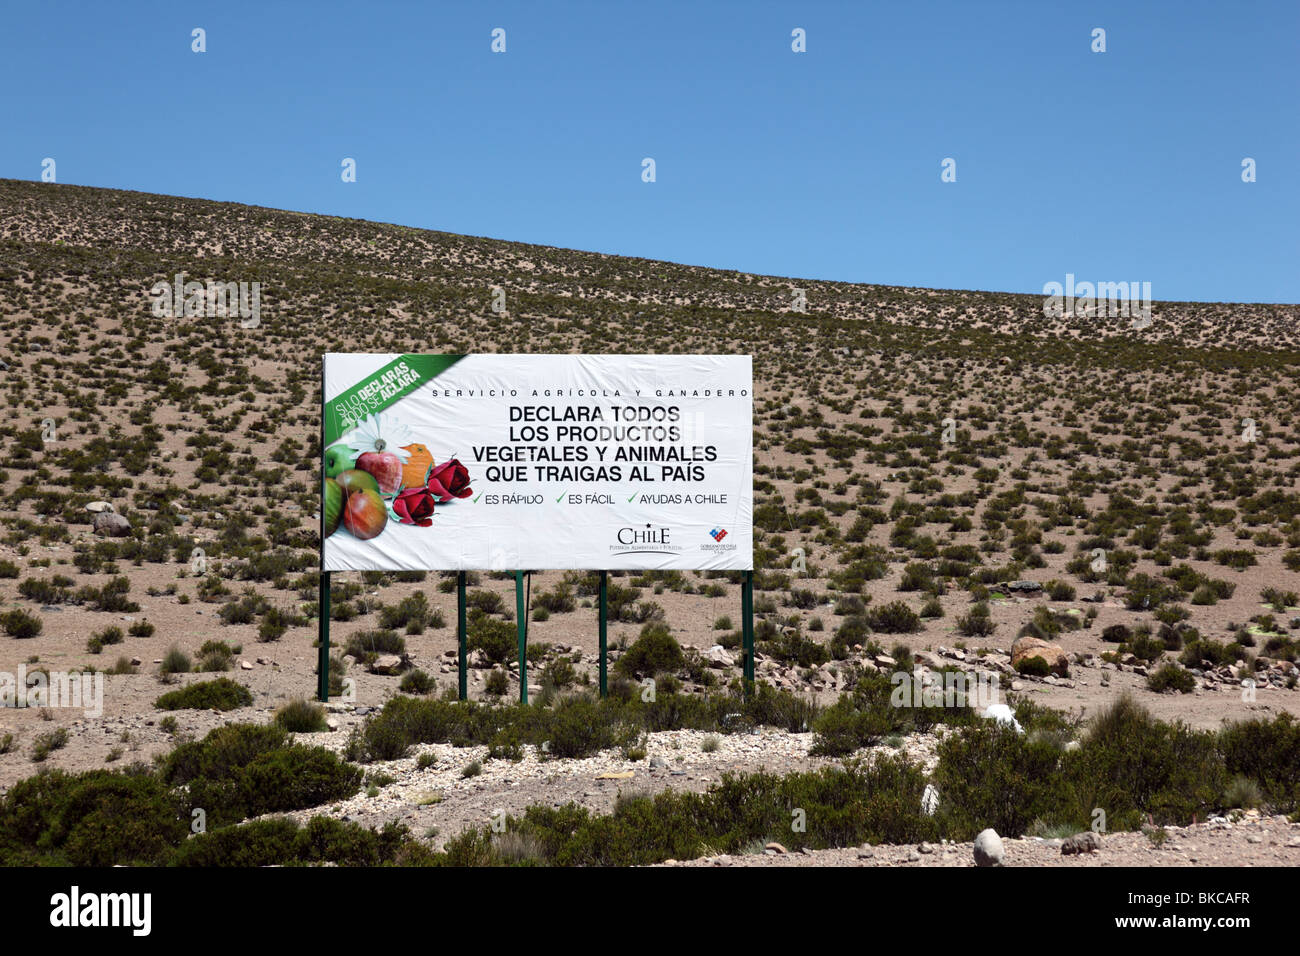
<point x="938" y="475"/>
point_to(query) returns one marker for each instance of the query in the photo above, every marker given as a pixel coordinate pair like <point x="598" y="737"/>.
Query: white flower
<point x="377" y="433"/>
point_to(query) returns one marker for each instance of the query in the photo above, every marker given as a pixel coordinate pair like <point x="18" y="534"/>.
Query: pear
<point x="333" y="507"/>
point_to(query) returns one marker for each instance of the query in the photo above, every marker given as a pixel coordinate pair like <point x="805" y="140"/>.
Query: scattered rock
<point x="1027" y="647"/>
<point x="988" y="848"/>
<point x="1086" y="842"/>
<point x="386" y="664"/>
<point x="717" y="656"/>
<point x="112" y="524"/>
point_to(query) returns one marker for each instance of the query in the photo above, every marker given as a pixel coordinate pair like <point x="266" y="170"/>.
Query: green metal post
<point x="521" y="618"/>
<point x="462" y="636"/>
<point x="323" y="654"/>
<point x="747" y="624"/>
<point x="323" y="599"/>
<point x="604" y="620"/>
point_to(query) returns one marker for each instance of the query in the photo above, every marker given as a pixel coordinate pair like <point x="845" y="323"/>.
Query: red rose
<point x="450" y="480"/>
<point x="414" y="506"/>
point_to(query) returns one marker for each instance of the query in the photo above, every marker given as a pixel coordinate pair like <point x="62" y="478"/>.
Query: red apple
<point x="365" y="514"/>
<point x="385" y="467"/>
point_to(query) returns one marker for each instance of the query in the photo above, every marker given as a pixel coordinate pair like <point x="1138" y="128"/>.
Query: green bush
<point x="1267" y="752"/>
<point x="416" y="682"/>
<point x="991" y="776"/>
<point x="410" y="612"/>
<point x="244" y="770"/>
<point x="1033" y="667"/>
<point x="1172" y="677"/>
<point x="109" y="635"/>
<point x="221" y="752"/>
<point x="1132" y="765"/>
<point x="278" y="841"/>
<point x="48" y="742"/>
<point x="894" y="618"/>
<point x="21" y="624"/>
<point x="215" y="656"/>
<point x="792" y="647"/>
<point x="220" y="694"/>
<point x="656" y="651"/>
<point x="175" y="661"/>
<point x="97" y="818"/>
<point x="365" y="646"/>
<point x="977" y="623"/>
<point x="579" y="727"/>
<point x="301" y="717"/>
<point x="863" y="717"/>
<point x="498" y="641"/>
<point x="293" y="778"/>
<point x="875" y="801"/>
<point x="1116" y="634"/>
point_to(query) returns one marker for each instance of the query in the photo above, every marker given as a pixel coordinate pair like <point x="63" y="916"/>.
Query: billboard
<point x="503" y="462"/>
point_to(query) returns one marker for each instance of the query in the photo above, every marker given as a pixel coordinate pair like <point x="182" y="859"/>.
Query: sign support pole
<point x="747" y="626"/>
<point x="462" y="637"/>
<point x="323" y="598"/>
<point x="323" y="654"/>
<point x="604" y="622"/>
<point x="521" y="619"/>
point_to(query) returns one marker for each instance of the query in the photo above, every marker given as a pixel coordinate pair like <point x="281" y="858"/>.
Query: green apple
<point x="354" y="479"/>
<point x="338" y="458"/>
<point x="333" y="510"/>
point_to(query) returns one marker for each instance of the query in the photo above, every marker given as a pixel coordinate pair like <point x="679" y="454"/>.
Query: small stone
<point x="111" y="524"/>
<point x="1086" y="842"/>
<point x="988" y="848"/>
<point x="717" y="656"/>
<point x="386" y="664"/>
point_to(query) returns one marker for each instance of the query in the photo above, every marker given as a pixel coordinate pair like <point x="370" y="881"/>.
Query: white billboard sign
<point x="503" y="462"/>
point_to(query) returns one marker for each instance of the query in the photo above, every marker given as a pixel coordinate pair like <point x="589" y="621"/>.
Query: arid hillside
<point x="917" y="452"/>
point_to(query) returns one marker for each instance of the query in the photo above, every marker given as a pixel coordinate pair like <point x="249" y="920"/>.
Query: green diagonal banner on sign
<point x="376" y="392"/>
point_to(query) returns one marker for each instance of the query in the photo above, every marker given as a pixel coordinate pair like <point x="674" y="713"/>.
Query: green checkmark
<point x="477" y="497"/>
<point x="558" y="500"/>
<point x="630" y="499"/>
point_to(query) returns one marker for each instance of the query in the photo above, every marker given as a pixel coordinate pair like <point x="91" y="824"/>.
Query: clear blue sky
<point x="1122" y="166"/>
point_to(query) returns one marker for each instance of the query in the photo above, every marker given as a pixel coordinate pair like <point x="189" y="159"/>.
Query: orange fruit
<point x="416" y="470"/>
